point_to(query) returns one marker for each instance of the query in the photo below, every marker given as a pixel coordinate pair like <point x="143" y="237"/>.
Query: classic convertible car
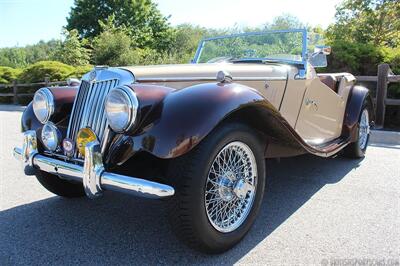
<point x="196" y="134"/>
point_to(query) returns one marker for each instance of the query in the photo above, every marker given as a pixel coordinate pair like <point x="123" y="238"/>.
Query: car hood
<point x="205" y="71"/>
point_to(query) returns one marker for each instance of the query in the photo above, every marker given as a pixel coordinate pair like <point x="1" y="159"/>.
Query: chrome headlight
<point x="121" y="108"/>
<point x="43" y="105"/>
<point x="51" y="136"/>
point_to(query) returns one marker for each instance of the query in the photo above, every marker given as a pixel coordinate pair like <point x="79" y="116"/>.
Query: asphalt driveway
<point x="314" y="211"/>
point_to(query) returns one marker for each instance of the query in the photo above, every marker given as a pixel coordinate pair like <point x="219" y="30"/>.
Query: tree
<point x="365" y="34"/>
<point x="144" y="22"/>
<point x="114" y="47"/>
<point x="187" y="38"/>
<point x="367" y="21"/>
<point x="73" y="51"/>
<point x="284" y="22"/>
<point x="13" y="57"/>
<point x="42" y="51"/>
<point x="23" y="56"/>
<point x="111" y="45"/>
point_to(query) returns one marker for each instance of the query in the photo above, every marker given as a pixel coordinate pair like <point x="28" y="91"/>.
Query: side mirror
<point x="318" y="58"/>
<point x="322" y="49"/>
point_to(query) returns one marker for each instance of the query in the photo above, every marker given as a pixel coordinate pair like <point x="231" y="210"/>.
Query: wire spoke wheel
<point x="231" y="187"/>
<point x="219" y="188"/>
<point x="364" y="129"/>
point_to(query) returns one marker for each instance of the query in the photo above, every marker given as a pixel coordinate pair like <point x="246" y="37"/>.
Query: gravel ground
<point x="315" y="211"/>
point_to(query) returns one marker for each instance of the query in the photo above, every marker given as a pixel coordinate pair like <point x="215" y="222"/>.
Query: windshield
<point x="281" y="46"/>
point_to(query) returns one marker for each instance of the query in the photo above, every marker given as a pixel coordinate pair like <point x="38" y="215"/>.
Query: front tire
<point x="219" y="188"/>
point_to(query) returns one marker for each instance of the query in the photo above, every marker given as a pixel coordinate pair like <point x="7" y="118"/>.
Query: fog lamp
<point x="68" y="147"/>
<point x="85" y="136"/>
<point x="51" y="136"/>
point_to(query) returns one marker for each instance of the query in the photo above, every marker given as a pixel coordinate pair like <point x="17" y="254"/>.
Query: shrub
<point x="110" y="47"/>
<point x="356" y="58"/>
<point x="56" y="71"/>
<point x="81" y="70"/>
<point x="8" y="74"/>
<point x="52" y="69"/>
<point x="393" y="59"/>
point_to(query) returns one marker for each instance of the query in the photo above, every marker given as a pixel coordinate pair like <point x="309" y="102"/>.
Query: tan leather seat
<point x="330" y="81"/>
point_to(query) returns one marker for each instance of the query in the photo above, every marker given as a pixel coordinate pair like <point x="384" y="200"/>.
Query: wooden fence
<point x="385" y="76"/>
<point x="19" y="90"/>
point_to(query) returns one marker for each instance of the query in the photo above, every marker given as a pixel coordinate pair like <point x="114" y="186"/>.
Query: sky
<point x="25" y="22"/>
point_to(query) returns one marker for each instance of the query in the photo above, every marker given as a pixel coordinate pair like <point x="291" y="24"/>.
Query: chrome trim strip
<point x="92" y="174"/>
<point x="106" y="139"/>
<point x="211" y="79"/>
<point x="98" y="109"/>
<point x="260" y="79"/>
<point x="63" y="157"/>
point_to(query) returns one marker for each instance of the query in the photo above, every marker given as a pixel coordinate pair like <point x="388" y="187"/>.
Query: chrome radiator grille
<point x="88" y="110"/>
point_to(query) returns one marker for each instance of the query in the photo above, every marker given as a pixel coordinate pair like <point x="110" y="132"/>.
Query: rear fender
<point x="357" y="97"/>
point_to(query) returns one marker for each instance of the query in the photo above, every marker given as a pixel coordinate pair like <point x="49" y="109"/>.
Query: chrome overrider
<point x="93" y="175"/>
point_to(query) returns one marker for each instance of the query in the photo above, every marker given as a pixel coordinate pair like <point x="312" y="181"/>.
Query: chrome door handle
<point x="309" y="102"/>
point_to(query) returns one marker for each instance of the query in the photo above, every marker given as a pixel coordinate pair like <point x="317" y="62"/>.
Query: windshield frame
<point x="302" y="62"/>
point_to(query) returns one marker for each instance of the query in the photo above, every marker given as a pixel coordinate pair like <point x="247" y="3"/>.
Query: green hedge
<point x="55" y="71"/>
<point x="8" y="74"/>
<point x="81" y="70"/>
<point x="356" y="58"/>
<point x="52" y="69"/>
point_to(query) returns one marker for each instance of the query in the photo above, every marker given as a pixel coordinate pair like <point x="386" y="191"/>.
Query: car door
<point x="321" y="114"/>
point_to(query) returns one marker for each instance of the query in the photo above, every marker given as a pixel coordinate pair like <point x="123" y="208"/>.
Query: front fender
<point x="183" y="118"/>
<point x="29" y="120"/>
<point x="64" y="98"/>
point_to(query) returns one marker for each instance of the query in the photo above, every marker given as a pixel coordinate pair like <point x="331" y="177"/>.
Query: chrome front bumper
<point x="93" y="175"/>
